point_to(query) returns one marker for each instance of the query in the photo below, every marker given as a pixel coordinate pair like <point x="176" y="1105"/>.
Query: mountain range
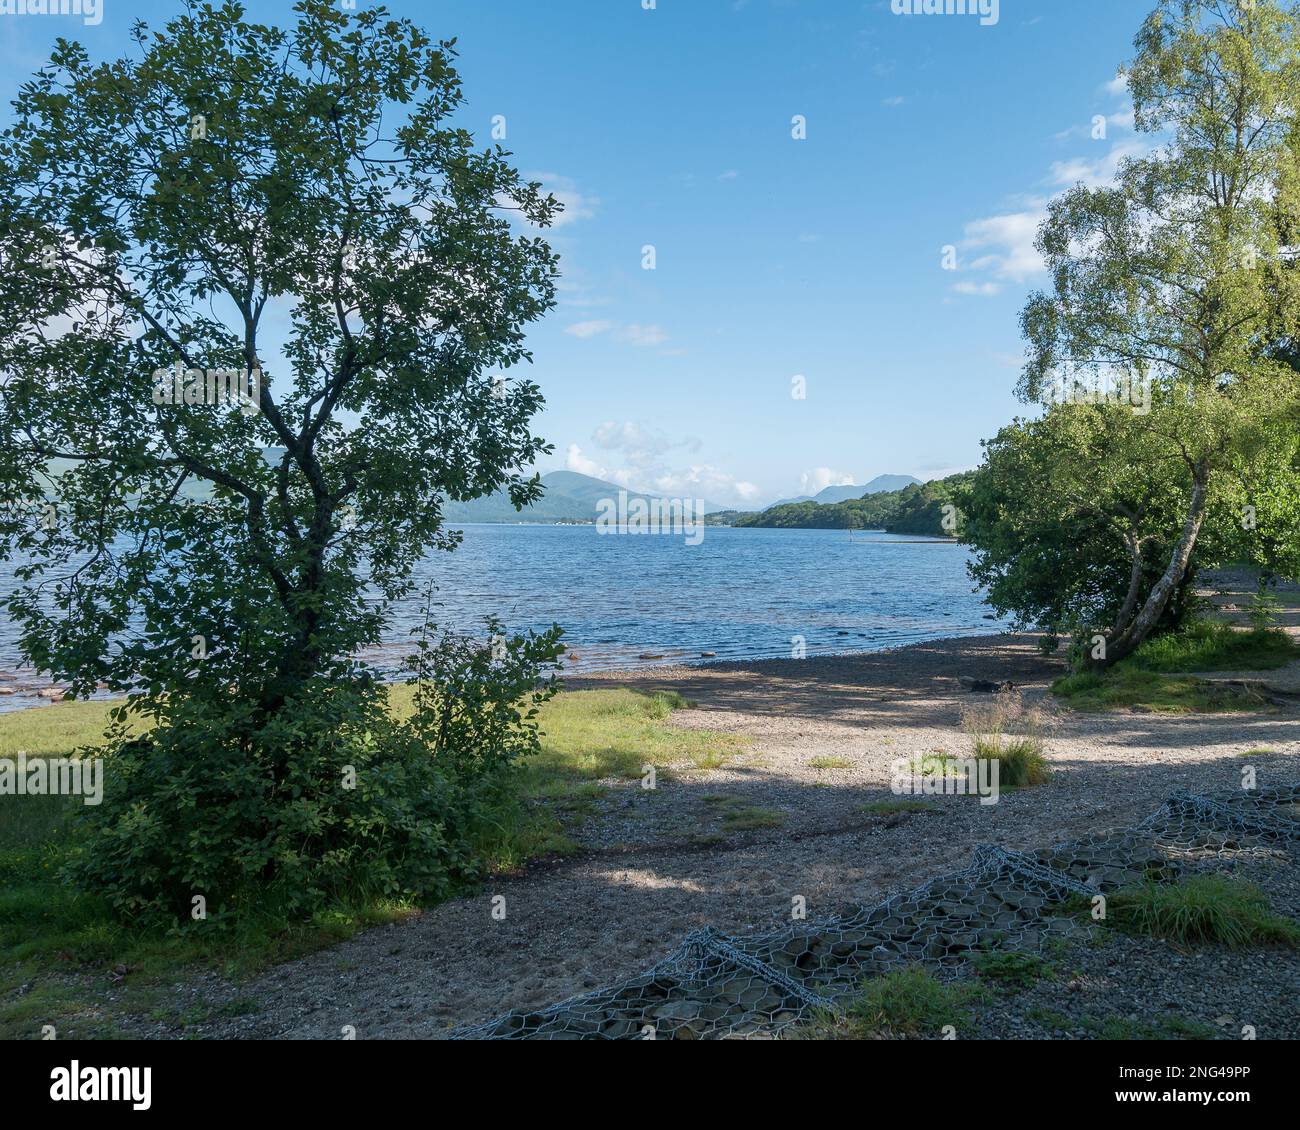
<point x="570" y="497"/>
<point x="879" y="485"/>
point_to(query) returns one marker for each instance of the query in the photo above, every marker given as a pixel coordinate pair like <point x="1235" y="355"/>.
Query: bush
<point x="327" y="800"/>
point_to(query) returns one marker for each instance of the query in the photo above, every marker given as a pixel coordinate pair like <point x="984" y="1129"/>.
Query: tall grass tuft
<point x="1006" y="732"/>
<point x="1200" y="910"/>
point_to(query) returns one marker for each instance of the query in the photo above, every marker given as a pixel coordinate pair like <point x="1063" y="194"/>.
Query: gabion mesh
<point x="714" y="986"/>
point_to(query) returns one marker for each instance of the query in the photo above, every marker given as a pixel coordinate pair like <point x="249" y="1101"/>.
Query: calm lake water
<point x="740" y="594"/>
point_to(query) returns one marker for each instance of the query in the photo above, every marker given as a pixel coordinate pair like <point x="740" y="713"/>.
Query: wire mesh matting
<point x="714" y="986"/>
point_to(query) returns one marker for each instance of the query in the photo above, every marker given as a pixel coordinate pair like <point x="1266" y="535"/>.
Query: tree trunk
<point x="1131" y="638"/>
<point x="1134" y="587"/>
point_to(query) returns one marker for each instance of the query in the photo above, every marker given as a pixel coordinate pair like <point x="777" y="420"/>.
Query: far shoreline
<point x="668" y="669"/>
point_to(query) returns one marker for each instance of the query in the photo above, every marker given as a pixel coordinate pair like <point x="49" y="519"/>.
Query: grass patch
<point x="830" y="763"/>
<point x="1132" y="688"/>
<point x="751" y="819"/>
<point x="1210" y="645"/>
<point x="1170" y="1027"/>
<point x="1205" y="909"/>
<point x="893" y="807"/>
<point x="739" y="816"/>
<point x="904" y="1002"/>
<point x="1012" y="970"/>
<point x="53" y="730"/>
<point x="936" y="763"/>
<point x="1173" y="1027"/>
<point x="1157" y="677"/>
<point x="1020" y="760"/>
<point x="1012" y="736"/>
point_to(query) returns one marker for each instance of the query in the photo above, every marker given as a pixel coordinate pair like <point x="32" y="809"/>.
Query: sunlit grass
<point x="1149" y="690"/>
<point x="1157" y="677"/>
<point x="56" y="729"/>
<point x="1209" y="645"/>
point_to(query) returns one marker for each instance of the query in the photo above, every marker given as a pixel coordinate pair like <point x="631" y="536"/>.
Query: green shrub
<point x="1264" y="608"/>
<point x="326" y="800"/>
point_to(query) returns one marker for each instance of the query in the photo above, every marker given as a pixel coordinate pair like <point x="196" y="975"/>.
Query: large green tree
<point x="1069" y="514"/>
<point x="297" y="204"/>
<point x="1175" y="278"/>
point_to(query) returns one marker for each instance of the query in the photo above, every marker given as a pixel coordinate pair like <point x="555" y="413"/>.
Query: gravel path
<point x="657" y="864"/>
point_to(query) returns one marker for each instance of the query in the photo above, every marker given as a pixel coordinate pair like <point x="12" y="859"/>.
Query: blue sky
<point x="775" y="257"/>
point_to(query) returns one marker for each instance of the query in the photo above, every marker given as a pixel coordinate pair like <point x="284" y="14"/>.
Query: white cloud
<point x="1099" y="172"/>
<point x="981" y="290"/>
<point x="1010" y="360"/>
<point x="643" y="335"/>
<point x="585" y="330"/>
<point x="1122" y="120"/>
<point x="819" y="478"/>
<point x="1010" y="238"/>
<point x="574" y="460"/>
<point x="896" y="100"/>
<point x="708" y="482"/>
<point x="637" y="440"/>
<point x="1006" y="241"/>
<point x="632" y="333"/>
<point x="644" y="465"/>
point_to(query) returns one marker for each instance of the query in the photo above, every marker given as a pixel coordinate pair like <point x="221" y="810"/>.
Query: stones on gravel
<point x="715" y="986"/>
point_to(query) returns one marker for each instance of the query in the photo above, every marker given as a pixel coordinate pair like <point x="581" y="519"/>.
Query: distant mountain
<point x="838" y="494"/>
<point x="570" y="497"/>
<point x="882" y="483"/>
<point x="831" y="495"/>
